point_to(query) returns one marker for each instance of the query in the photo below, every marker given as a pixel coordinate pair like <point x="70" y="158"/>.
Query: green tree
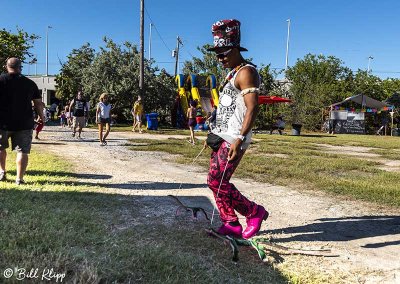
<point x="160" y="94"/>
<point x="16" y="45"/>
<point x="317" y="81"/>
<point x="390" y="86"/>
<point x="69" y="81"/>
<point x="114" y="69"/>
<point x="367" y="84"/>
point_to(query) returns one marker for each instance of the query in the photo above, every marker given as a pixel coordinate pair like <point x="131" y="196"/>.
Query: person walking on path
<point x="63" y="119"/>
<point x="103" y="117"/>
<point x="137" y="112"/>
<point x="236" y="113"/>
<point x="53" y="111"/>
<point x="68" y="115"/>
<point x="191" y="115"/>
<point x="39" y="124"/>
<point x="78" y="107"/>
<point x="16" y="116"/>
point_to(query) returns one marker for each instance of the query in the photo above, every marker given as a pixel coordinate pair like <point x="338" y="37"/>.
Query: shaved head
<point x="13" y="65"/>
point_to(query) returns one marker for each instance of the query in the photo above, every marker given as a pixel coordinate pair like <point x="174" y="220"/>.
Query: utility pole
<point x="369" y="63"/>
<point x="35" y="64"/>
<point x="151" y="24"/>
<point x="287" y="45"/>
<point x="176" y="54"/>
<point x="47" y="50"/>
<point x="141" y="71"/>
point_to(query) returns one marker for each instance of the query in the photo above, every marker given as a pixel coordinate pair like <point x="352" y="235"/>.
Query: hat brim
<point x="218" y="47"/>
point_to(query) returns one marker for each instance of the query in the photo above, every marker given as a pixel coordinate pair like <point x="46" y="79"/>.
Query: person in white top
<point x="236" y="113"/>
<point x="103" y="117"/>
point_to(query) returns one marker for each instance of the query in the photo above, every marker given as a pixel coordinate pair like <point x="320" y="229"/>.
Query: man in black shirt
<point x="79" y="108"/>
<point x="16" y="117"/>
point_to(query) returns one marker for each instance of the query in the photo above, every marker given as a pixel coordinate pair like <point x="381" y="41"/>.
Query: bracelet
<point x="242" y="138"/>
<point x="250" y="90"/>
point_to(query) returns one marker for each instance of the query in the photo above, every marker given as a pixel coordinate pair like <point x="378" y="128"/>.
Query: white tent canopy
<point x="364" y="101"/>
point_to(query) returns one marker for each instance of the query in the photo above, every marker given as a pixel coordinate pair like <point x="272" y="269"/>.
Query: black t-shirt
<point x="79" y="107"/>
<point x="16" y="95"/>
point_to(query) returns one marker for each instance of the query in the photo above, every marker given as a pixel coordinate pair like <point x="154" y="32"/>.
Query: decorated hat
<point x="226" y="33"/>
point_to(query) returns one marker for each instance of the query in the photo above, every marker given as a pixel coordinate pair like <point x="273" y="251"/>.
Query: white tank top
<point x="104" y="110"/>
<point x="230" y="113"/>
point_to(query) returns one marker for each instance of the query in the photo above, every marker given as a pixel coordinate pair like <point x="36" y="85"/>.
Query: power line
<point x="389" y="72"/>
<point x="187" y="51"/>
<point x="376" y="71"/>
<point x="155" y="27"/>
<point x="159" y="35"/>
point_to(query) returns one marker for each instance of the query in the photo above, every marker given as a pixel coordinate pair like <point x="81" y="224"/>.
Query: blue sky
<point x="349" y="30"/>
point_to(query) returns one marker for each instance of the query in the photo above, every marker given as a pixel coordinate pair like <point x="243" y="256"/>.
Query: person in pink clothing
<point x="39" y="124"/>
<point x="236" y="113"/>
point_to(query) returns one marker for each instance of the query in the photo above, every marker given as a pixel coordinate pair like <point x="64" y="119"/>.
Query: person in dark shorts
<point x="79" y="109"/>
<point x="16" y="116"/>
<point x="191" y="115"/>
<point x="103" y="117"/>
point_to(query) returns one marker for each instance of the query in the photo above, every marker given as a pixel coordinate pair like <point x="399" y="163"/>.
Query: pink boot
<point x="228" y="229"/>
<point x="254" y="223"/>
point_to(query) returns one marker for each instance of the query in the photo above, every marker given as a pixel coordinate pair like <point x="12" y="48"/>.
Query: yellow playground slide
<point x="212" y="84"/>
<point x="185" y="95"/>
<point x="180" y="80"/>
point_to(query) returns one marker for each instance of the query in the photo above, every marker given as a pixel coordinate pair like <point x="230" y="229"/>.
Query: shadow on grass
<point x="43" y="142"/>
<point x="143" y="144"/>
<point x="344" y="229"/>
<point x="315" y="136"/>
<point x="133" y="185"/>
<point x="82" y="140"/>
<point x="107" y="238"/>
<point x="267" y="133"/>
<point x="66" y="174"/>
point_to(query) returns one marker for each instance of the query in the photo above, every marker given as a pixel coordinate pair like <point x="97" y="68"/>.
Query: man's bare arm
<point x="37" y="103"/>
<point x="71" y="105"/>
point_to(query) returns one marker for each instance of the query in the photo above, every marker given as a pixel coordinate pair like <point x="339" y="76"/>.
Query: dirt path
<point x="366" y="237"/>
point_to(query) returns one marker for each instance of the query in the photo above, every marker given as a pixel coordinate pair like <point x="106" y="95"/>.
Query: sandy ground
<point x="366" y="237"/>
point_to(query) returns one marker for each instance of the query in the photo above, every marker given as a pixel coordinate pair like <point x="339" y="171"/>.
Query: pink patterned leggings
<point x="229" y="198"/>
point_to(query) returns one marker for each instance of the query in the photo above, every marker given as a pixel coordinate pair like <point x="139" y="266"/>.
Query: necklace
<point x="231" y="74"/>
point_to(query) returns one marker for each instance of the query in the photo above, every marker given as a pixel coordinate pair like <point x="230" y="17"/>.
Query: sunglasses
<point x="224" y="54"/>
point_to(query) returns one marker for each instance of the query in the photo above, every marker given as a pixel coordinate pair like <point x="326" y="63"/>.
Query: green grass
<point x="305" y="165"/>
<point x="59" y="222"/>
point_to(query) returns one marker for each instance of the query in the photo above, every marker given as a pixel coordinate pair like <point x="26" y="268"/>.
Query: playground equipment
<point x="197" y="88"/>
<point x="211" y="83"/>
